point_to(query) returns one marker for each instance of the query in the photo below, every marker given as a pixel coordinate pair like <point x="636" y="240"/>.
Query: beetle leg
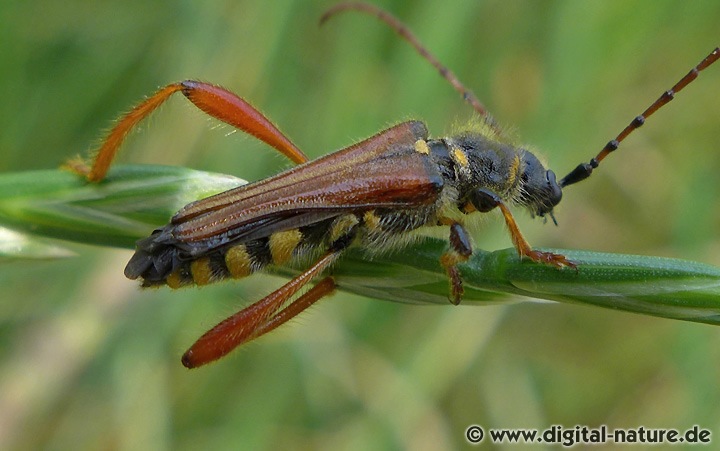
<point x="268" y="313"/>
<point x="459" y="252"/>
<point x="484" y="201"/>
<point x="213" y="100"/>
<point x="260" y="317"/>
<point x="228" y="107"/>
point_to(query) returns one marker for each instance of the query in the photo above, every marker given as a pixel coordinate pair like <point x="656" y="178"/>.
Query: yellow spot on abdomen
<point x="282" y="244"/>
<point x="201" y="271"/>
<point x="371" y="220"/>
<point x="460" y="157"/>
<point x="342" y="226"/>
<point x="238" y="261"/>
<point x="422" y="147"/>
<point x="174" y="280"/>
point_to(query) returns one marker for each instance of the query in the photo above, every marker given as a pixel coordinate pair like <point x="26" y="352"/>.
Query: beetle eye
<point x="555" y="190"/>
<point x="550" y="175"/>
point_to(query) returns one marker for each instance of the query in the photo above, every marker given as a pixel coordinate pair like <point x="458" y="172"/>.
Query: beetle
<point x="378" y="194"/>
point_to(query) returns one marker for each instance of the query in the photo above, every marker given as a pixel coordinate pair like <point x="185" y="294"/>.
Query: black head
<point x="540" y="190"/>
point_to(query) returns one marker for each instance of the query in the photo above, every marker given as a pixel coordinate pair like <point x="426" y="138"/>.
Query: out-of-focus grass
<point x="89" y="361"/>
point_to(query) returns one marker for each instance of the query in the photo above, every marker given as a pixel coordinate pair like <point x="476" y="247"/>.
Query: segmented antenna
<point x="406" y="34"/>
<point x="584" y="170"/>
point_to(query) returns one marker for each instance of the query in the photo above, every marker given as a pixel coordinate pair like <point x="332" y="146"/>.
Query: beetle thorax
<point x="513" y="173"/>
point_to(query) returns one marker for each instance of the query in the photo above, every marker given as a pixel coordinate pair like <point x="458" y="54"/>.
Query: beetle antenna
<point x="406" y="34"/>
<point x="584" y="170"/>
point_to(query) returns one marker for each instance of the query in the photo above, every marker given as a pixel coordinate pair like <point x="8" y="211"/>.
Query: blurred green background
<point x="88" y="361"/>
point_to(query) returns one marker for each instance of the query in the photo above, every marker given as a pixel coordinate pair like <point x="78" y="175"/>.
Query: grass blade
<point x="136" y="199"/>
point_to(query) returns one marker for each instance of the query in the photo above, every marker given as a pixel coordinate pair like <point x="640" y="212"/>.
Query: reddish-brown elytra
<point x="376" y="194"/>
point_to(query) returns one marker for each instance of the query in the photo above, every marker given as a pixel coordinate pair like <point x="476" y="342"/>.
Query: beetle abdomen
<point x="163" y="260"/>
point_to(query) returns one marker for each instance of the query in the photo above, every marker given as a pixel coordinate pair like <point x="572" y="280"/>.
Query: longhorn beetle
<point x="376" y="194"/>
